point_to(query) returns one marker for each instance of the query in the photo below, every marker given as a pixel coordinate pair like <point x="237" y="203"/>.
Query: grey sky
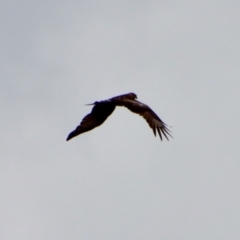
<point x="119" y="181"/>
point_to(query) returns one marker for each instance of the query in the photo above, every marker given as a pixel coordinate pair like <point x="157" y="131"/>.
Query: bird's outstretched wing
<point x="149" y="115"/>
<point x="98" y="115"/>
<point x="87" y="124"/>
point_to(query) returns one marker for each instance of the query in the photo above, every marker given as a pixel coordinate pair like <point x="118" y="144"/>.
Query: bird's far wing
<point x="88" y="123"/>
<point x="150" y="116"/>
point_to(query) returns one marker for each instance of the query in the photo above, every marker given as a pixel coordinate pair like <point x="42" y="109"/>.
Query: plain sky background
<point x="182" y="58"/>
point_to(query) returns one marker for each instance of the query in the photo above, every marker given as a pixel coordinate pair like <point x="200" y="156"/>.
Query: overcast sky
<point x="118" y="181"/>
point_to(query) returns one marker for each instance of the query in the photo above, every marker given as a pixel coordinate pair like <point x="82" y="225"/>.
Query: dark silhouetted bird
<point x="103" y="109"/>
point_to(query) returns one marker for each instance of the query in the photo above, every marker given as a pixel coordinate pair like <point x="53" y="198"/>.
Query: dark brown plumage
<point x="103" y="109"/>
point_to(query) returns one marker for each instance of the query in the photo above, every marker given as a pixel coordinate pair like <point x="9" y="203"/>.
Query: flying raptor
<point x="103" y="109"/>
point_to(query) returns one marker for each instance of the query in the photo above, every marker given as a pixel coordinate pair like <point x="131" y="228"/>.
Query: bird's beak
<point x="89" y="104"/>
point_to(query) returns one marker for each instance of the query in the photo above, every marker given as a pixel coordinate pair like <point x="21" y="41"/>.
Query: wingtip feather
<point x="159" y="132"/>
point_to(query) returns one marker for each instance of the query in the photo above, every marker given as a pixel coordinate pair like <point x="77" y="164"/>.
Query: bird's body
<point x="103" y="109"/>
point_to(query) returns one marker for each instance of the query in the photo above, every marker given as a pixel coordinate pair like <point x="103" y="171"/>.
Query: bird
<point x="103" y="109"/>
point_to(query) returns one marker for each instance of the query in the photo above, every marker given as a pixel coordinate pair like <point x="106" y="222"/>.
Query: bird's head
<point x="132" y="96"/>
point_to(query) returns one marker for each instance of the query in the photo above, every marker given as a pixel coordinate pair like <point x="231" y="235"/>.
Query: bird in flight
<point x="103" y="109"/>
